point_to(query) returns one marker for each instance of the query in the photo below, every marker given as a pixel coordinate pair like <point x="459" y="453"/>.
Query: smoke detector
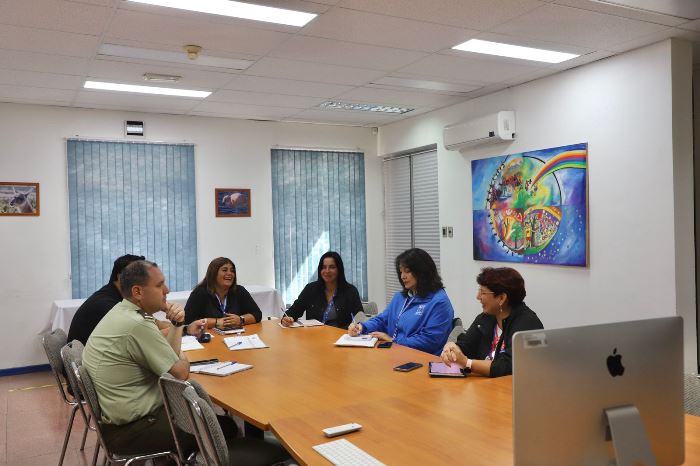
<point x="192" y="51"/>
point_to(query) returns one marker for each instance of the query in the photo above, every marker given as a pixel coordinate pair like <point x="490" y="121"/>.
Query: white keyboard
<point x="343" y="453"/>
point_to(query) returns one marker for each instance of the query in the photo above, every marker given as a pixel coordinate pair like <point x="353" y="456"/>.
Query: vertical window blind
<point x="411" y="211"/>
<point x="131" y="198"/>
<point x="318" y="204"/>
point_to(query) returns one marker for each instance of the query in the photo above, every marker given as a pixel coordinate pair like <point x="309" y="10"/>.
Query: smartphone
<point x="385" y="344"/>
<point x="409" y="366"/>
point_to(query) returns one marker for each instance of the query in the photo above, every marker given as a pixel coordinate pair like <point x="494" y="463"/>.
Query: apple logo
<point x="615" y="366"/>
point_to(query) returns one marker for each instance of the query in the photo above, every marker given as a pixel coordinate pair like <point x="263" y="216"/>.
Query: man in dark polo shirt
<point x="98" y="305"/>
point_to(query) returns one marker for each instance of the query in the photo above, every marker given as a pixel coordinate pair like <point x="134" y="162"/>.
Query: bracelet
<point x="216" y="323"/>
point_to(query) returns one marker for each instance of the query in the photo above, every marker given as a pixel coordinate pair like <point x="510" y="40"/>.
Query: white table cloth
<point x="269" y="301"/>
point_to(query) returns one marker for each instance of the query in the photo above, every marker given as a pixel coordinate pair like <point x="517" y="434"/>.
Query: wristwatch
<point x="177" y="324"/>
<point x="468" y="369"/>
<point x="242" y="320"/>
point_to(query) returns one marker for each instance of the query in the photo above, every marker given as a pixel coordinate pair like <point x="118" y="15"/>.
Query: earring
<point x="500" y="308"/>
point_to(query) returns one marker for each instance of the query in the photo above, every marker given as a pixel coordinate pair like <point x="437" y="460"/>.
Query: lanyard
<point x="406" y="304"/>
<point x="222" y="306"/>
<point x="329" y="308"/>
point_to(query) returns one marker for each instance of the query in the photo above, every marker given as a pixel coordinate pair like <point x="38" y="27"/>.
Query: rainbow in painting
<point x="531" y="207"/>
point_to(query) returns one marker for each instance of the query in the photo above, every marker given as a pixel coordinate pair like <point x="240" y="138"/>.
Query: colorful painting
<point x="19" y="198"/>
<point x="232" y="202"/>
<point x="531" y="207"/>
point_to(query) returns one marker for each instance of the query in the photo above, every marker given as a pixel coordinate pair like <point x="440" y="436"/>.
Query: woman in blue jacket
<point x="420" y="316"/>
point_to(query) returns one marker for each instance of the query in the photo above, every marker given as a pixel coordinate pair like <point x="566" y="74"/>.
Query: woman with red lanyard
<point x="485" y="348"/>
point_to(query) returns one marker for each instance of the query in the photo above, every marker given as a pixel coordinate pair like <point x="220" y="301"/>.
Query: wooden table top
<point x="302" y="384"/>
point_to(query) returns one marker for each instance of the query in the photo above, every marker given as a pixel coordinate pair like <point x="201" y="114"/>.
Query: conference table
<point x="302" y="384"/>
<point x="268" y="300"/>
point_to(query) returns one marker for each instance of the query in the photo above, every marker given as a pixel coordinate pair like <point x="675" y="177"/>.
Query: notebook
<point x="190" y="343"/>
<point x="364" y="341"/>
<point x="244" y="342"/>
<point x="220" y="369"/>
<point x="303" y="323"/>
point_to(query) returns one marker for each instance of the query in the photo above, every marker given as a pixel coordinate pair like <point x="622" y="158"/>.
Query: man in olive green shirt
<point x="125" y="356"/>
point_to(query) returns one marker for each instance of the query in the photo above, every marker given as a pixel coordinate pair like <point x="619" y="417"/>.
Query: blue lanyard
<point x="403" y="309"/>
<point x="222" y="306"/>
<point x="328" y="308"/>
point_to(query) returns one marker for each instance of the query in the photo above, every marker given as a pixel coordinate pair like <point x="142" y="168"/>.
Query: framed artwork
<point x="532" y="207"/>
<point x="232" y="202"/>
<point x="19" y="199"/>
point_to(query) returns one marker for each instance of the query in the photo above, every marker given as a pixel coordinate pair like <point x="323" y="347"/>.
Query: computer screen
<point x="565" y="379"/>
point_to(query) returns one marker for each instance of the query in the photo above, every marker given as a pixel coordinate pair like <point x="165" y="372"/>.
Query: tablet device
<point x="440" y="369"/>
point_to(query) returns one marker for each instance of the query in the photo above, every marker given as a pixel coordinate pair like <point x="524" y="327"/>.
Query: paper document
<point x="189" y="343"/>
<point x="365" y="341"/>
<point x="244" y="342"/>
<point x="220" y="368"/>
<point x="303" y="323"/>
<point x="232" y="331"/>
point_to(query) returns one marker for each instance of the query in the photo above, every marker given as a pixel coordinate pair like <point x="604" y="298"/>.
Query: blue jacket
<point x="424" y="325"/>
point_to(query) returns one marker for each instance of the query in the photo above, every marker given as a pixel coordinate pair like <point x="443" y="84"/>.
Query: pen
<point x="236" y="344"/>
<point x="230" y="363"/>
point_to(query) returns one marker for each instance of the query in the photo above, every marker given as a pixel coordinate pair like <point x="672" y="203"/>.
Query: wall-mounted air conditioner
<point x="489" y="129"/>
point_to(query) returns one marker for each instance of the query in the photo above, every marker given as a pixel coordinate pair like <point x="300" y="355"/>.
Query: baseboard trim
<point x="24" y="370"/>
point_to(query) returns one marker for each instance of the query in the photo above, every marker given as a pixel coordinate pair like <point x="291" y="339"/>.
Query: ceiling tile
<point x="13" y="93"/>
<point x="305" y="71"/>
<point x="573" y="26"/>
<point x="414" y="98"/>
<point x="256" y="98"/>
<point x="475" y="14"/>
<point x="343" y="116"/>
<point x="616" y="10"/>
<point x="345" y="53"/>
<point x="94" y="2"/>
<point x="31" y="61"/>
<point x="211" y="36"/>
<point x="136" y="101"/>
<point x="242" y="111"/>
<point x="285" y="86"/>
<point x="55" y="15"/>
<point x="470" y="67"/>
<point x="49" y="42"/>
<point x="387" y="31"/>
<point x="133" y="72"/>
<point x="37" y="79"/>
<point x="691" y="25"/>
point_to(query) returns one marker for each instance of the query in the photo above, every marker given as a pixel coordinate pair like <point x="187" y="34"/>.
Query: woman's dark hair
<point x="213" y="270"/>
<point x="341" y="281"/>
<point x="503" y="280"/>
<point x="423" y="269"/>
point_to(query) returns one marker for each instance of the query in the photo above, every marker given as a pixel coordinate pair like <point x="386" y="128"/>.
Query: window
<point x="411" y="213"/>
<point x="131" y="198"/>
<point x="318" y="204"/>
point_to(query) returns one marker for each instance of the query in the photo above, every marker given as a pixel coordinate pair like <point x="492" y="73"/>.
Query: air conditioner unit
<point x="489" y="129"/>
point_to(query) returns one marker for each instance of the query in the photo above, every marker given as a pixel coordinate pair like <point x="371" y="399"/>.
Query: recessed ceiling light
<point x="145" y="89"/>
<point x="111" y="50"/>
<point x="161" y="78"/>
<point x="513" y="51"/>
<point x="237" y="10"/>
<point x="335" y="105"/>
<point x="437" y="86"/>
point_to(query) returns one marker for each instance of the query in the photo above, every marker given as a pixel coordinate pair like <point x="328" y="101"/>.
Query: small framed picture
<point x="232" y="202"/>
<point x="19" y="199"/>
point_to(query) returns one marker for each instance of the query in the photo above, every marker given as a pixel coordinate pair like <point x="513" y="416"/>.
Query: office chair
<point x="457" y="330"/>
<point x="53" y="342"/>
<point x="691" y="400"/>
<point x="370" y="308"/>
<point x="201" y="421"/>
<point x="73" y="353"/>
<point x="87" y="388"/>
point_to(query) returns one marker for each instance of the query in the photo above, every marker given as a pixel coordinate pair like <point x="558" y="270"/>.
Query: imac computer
<point x="603" y="395"/>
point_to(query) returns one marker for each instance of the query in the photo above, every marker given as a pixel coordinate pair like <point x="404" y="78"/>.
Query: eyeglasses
<point x="479" y="292"/>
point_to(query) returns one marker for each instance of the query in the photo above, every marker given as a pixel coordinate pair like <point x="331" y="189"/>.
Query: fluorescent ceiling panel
<point x="103" y="86"/>
<point x="237" y="10"/>
<point x="688" y="9"/>
<point x="111" y="50"/>
<point x="514" y="51"/>
<point x="335" y="105"/>
<point x="437" y="86"/>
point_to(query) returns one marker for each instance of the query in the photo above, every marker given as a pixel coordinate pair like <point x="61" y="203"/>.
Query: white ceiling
<point x="48" y="48"/>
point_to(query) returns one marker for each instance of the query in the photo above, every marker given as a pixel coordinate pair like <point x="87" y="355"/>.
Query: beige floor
<point x="33" y="421"/>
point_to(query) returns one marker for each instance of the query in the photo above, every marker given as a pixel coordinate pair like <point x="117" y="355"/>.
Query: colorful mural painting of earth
<point x="531" y="207"/>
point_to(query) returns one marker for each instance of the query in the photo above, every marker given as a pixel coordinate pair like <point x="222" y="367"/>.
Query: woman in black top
<point x="220" y="300"/>
<point x="486" y="347"/>
<point x="330" y="299"/>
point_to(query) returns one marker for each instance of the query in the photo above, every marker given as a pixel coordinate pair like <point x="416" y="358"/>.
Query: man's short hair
<point x="135" y="274"/>
<point x="120" y="263"/>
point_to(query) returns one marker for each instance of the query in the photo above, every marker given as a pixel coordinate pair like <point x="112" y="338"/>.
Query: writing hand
<point x="287" y="321"/>
<point x="354" y="330"/>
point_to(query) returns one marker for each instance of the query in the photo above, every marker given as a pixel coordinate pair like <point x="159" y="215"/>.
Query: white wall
<point x="229" y="153"/>
<point x="640" y="187"/>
